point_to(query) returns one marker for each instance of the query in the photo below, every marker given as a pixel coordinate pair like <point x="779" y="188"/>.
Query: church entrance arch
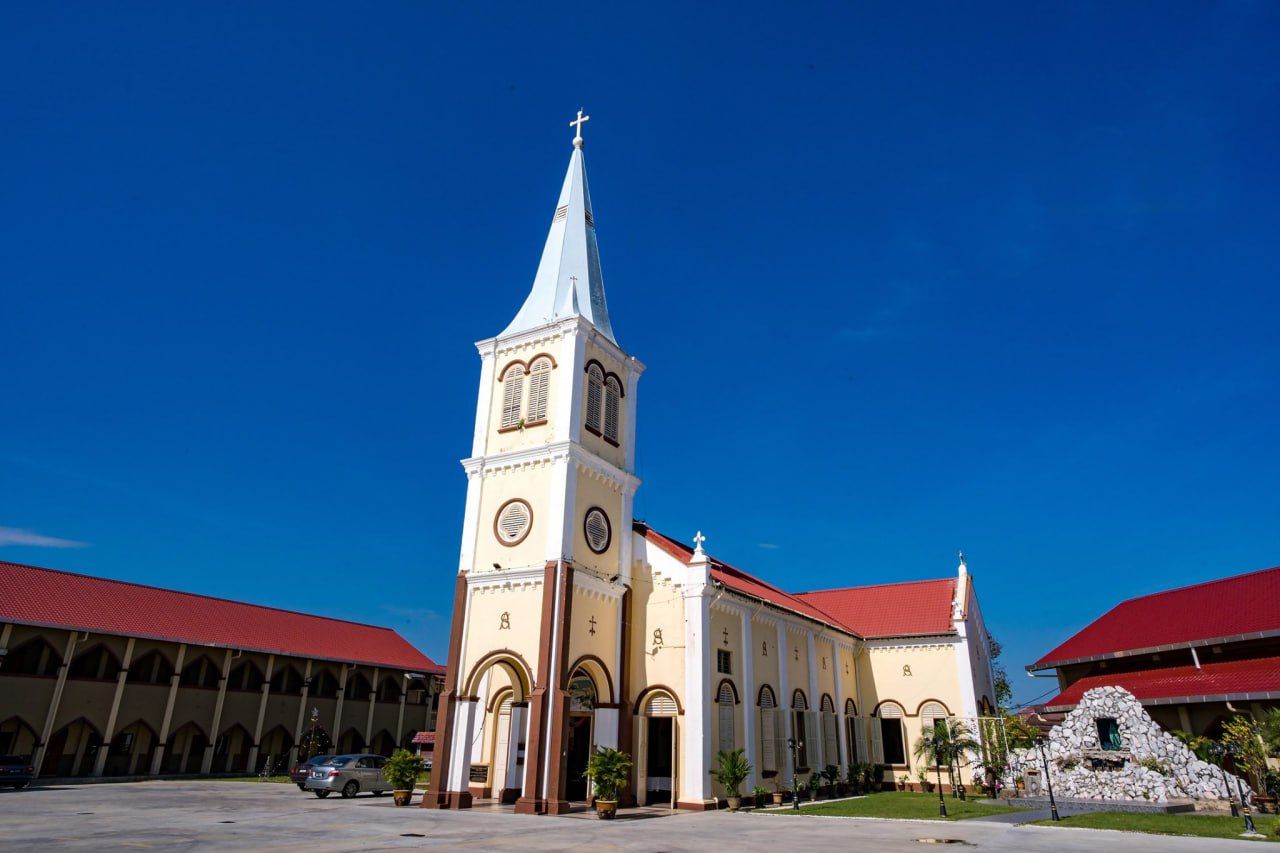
<point x="656" y="747"/>
<point x="583" y="697"/>
<point x="490" y="761"/>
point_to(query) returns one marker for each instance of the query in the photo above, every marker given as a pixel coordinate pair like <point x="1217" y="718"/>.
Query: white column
<point x="368" y="720"/>
<point x="842" y="730"/>
<point x="515" y="746"/>
<point x="471" y="519"/>
<point x="464" y="718"/>
<point x="302" y="713"/>
<point x="47" y="731"/>
<point x="695" y="742"/>
<point x="262" y="710"/>
<point x="108" y="734"/>
<point x="567" y="425"/>
<point x="749" y="696"/>
<point x="400" y="716"/>
<point x="606" y="727"/>
<point x="163" y="736"/>
<point x="815" y="738"/>
<point x="206" y="763"/>
<point x="484" y="399"/>
<point x="5" y="633"/>
<point x="560" y="509"/>
<point x="784" y="704"/>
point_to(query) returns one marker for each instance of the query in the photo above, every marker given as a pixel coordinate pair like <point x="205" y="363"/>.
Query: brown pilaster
<point x="626" y="724"/>
<point x="532" y="801"/>
<point x="436" y="796"/>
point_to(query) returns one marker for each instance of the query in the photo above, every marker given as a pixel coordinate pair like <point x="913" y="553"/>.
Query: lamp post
<point x="315" y="720"/>
<point x="1249" y="828"/>
<point x="1053" y="804"/>
<point x="1218" y="752"/>
<point x="793" y="745"/>
<point x="942" y="803"/>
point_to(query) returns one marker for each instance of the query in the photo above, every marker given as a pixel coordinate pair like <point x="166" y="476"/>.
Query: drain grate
<point x="226" y="821"/>
<point x="412" y="835"/>
<point x="959" y="841"/>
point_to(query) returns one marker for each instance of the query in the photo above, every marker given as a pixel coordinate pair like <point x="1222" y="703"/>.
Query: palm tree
<point x="948" y="742"/>
<point x="935" y="748"/>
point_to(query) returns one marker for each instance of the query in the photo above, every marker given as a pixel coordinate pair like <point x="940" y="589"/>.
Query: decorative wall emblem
<point x="657" y="636"/>
<point x="592" y="621"/>
<point x="596" y="528"/>
<point x="504" y="621"/>
<point x="906" y="669"/>
<point x="512" y="523"/>
<point x="726" y="636"/>
<point x="764" y="648"/>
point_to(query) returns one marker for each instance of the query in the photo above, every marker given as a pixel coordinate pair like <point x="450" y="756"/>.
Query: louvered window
<point x="539" y="389"/>
<point x="596" y="528"/>
<point x="930" y="714"/>
<point x="612" y="404"/>
<point x="854" y="733"/>
<point x="660" y="705"/>
<point x="512" y="395"/>
<point x="801" y="726"/>
<point x="513" y="522"/>
<point x="726" y="700"/>
<point x="830" y="733"/>
<point x="595" y="397"/>
<point x="768" y="732"/>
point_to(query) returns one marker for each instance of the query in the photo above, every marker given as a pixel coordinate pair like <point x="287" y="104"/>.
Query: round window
<point x="596" y="527"/>
<point x="513" y="522"/>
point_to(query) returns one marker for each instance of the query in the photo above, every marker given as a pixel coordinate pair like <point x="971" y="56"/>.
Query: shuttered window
<point x="512" y="395"/>
<point x="726" y="701"/>
<point x="539" y="389"/>
<point x="660" y="705"/>
<point x="513" y="521"/>
<point x="596" y="528"/>
<point x="830" y="733"/>
<point x="768" y="732"/>
<point x="802" y="727"/>
<point x="612" y="404"/>
<point x="595" y="398"/>
<point x="930" y="714"/>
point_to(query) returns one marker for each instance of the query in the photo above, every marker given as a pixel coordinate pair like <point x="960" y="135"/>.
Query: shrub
<point x="608" y="770"/>
<point x="732" y="769"/>
<point x="402" y="770"/>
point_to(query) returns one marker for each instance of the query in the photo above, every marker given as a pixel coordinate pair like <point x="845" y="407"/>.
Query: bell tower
<point x="546" y="543"/>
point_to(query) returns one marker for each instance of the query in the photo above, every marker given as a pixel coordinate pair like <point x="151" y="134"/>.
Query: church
<point x="576" y="626"/>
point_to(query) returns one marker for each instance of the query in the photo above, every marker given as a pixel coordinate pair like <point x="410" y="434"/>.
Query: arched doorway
<point x="579" y="739"/>
<point x="17" y="737"/>
<point x="184" y="752"/>
<point x="487" y="750"/>
<point x="131" y="750"/>
<point x="72" y="750"/>
<point x="231" y="753"/>
<point x="657" y="747"/>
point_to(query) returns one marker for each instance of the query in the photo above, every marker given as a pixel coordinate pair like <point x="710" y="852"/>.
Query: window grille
<point x="726" y="701"/>
<point x="612" y="403"/>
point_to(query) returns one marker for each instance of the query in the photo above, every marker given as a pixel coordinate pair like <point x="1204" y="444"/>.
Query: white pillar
<point x="163" y="737"/>
<point x="695" y="742"/>
<point x="400" y="717"/>
<point x="47" y="731"/>
<point x="206" y="763"/>
<point x="515" y="746"/>
<point x="368" y="720"/>
<point x="842" y="730"/>
<point x="100" y="762"/>
<point x="606" y="727"/>
<point x="262" y="710"/>
<point x="816" y="746"/>
<point x="784" y="705"/>
<point x="749" y="697"/>
<point x="302" y="715"/>
<point x="464" y="718"/>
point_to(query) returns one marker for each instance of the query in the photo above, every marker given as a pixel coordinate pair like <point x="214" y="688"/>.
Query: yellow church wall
<point x="722" y="622"/>
<point x="531" y="483"/>
<point x="764" y="669"/>
<point x="825" y="664"/>
<point x="534" y="435"/>
<point x="656" y="608"/>
<point x="932" y="677"/>
<point x="591" y="441"/>
<point x="594" y="492"/>
<point x="848" y="663"/>
<point x="485" y="634"/>
<point x="603" y="644"/>
<point x="798" y="670"/>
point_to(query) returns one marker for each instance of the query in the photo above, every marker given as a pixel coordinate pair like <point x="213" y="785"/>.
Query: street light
<point x="315" y="719"/>
<point x="1053" y="804"/>
<point x="1249" y="828"/>
<point x="942" y="803"/>
<point x="1217" y="752"/>
<point x="793" y="745"/>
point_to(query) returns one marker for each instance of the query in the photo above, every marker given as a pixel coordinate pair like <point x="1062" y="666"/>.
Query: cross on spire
<point x="697" y="543"/>
<point x="577" y="124"/>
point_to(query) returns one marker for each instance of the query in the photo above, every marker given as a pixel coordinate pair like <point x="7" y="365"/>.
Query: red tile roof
<point x="891" y="610"/>
<point x="425" y="738"/>
<point x="1242" y="606"/>
<point x="1243" y="680"/>
<point x="31" y="595"/>
<point x="888" y="610"/>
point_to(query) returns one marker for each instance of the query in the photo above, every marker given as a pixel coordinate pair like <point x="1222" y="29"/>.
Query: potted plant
<point x="402" y="770"/>
<point x="832" y="774"/>
<point x="875" y="777"/>
<point x="761" y="794"/>
<point x="903" y="782"/>
<point x="815" y="783"/>
<point x="608" y="770"/>
<point x="926" y="784"/>
<point x="778" y="792"/>
<point x="731" y="771"/>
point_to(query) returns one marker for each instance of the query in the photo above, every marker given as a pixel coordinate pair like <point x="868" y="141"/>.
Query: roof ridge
<point x="1196" y="585"/>
<point x="875" y="586"/>
<point x="200" y="595"/>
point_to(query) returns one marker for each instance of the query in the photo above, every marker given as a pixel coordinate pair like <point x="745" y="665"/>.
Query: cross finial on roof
<point x="577" y="124"/>
<point x="697" y="544"/>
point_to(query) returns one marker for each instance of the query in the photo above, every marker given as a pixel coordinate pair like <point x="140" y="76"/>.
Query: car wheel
<point x="320" y="794"/>
<point x="350" y="789"/>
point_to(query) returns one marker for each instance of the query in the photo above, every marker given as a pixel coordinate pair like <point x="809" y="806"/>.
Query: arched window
<point x="358" y="687"/>
<point x="890" y="739"/>
<point x="34" y="657"/>
<point x="286" y="681"/>
<point x="770" y="732"/>
<point x="245" y="676"/>
<point x="388" y="690"/>
<point x="151" y="668"/>
<point x="612" y="405"/>
<point x="512" y="396"/>
<point x="830" y="731"/>
<point x="726" y="698"/>
<point x="595" y="397"/>
<point x="201" y="672"/>
<point x="799" y="720"/>
<point x="323" y="685"/>
<point x="582" y="693"/>
<point x="930" y="714"/>
<point x="97" y="663"/>
<point x="539" y="391"/>
<point x="855" y="733"/>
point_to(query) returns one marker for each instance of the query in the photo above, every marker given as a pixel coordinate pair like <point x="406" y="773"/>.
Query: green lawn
<point x="1200" y="825"/>
<point x="900" y="805"/>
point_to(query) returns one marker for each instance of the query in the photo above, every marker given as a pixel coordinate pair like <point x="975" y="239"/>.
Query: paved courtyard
<point x="251" y="815"/>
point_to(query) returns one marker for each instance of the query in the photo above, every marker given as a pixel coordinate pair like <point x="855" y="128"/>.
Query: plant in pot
<point x="608" y="770"/>
<point x="832" y="774"/>
<point x="854" y="778"/>
<point x="731" y="771"/>
<point x="779" y="792"/>
<point x="904" y="782"/>
<point x="761" y="795"/>
<point x="402" y="770"/>
<point x="875" y="777"/>
<point x="815" y="784"/>
<point x="926" y="784"/>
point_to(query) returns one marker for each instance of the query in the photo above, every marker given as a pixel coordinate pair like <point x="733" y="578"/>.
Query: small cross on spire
<point x="577" y="124"/>
<point x="697" y="544"/>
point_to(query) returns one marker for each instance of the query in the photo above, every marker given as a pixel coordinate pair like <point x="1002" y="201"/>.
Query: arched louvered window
<point x="830" y="731"/>
<point x="726" y="700"/>
<point x="803" y="726"/>
<point x="612" y="406"/>
<point x="770" y="732"/>
<point x="539" y="391"/>
<point x="512" y="395"/>
<point x="930" y="714"/>
<point x="595" y="398"/>
<point x="660" y="705"/>
<point x="889" y="742"/>
<point x="855" y="733"/>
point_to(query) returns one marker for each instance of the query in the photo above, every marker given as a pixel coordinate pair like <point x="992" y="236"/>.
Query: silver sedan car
<point x="349" y="775"/>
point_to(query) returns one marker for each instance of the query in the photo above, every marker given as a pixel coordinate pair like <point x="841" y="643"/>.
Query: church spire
<point x="568" y="281"/>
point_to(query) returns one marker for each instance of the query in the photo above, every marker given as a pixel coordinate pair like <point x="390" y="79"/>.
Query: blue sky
<point x="908" y="278"/>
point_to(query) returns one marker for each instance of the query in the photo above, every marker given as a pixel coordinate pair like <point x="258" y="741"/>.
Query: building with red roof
<point x="1193" y="655"/>
<point x="101" y="677"/>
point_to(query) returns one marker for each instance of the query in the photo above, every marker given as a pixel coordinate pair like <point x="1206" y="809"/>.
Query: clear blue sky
<point x="992" y="277"/>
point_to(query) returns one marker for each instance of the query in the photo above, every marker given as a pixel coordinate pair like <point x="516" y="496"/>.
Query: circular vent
<point x="513" y="522"/>
<point x="596" y="527"/>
